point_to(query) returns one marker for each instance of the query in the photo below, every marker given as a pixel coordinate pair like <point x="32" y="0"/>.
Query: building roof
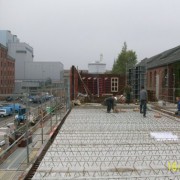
<point x="143" y="62"/>
<point x="167" y="57"/>
<point x="4" y="47"/>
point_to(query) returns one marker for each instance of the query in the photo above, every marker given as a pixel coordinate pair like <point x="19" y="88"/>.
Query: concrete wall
<point x="43" y="70"/>
<point x="22" y="52"/>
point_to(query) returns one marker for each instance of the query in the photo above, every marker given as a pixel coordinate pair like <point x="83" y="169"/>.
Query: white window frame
<point x="114" y="84"/>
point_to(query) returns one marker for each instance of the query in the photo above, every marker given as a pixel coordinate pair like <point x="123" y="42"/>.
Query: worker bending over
<point x="110" y="102"/>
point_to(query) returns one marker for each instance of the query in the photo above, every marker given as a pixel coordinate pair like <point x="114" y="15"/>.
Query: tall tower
<point x="101" y="57"/>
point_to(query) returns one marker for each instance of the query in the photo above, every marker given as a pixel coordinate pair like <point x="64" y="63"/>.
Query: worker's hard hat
<point x="115" y="98"/>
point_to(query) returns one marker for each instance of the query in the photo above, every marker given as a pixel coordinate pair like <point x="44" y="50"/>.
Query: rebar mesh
<point x="93" y="144"/>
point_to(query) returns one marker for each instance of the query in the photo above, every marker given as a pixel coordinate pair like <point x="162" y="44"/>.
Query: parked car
<point x="5" y="112"/>
<point x="48" y="97"/>
<point x="15" y="107"/>
<point x="36" y="99"/>
<point x="9" y="98"/>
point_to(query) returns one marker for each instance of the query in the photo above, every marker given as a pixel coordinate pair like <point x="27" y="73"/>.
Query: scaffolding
<point x="137" y="78"/>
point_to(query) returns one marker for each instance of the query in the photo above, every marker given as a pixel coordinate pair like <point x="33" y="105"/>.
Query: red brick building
<point x="159" y="74"/>
<point x="7" y="72"/>
<point x="161" y="82"/>
<point x="97" y="85"/>
<point x="163" y="74"/>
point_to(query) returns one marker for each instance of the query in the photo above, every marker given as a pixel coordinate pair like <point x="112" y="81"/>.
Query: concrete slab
<point x="93" y="144"/>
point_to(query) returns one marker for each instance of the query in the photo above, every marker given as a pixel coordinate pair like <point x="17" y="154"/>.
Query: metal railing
<point x="31" y="136"/>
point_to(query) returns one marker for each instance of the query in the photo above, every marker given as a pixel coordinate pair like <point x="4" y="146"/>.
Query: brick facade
<point x="97" y="85"/>
<point x="166" y="82"/>
<point x="7" y="72"/>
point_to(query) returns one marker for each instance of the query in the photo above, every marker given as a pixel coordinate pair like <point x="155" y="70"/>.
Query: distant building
<point x="7" y="71"/>
<point x="28" y="73"/>
<point x="94" y="84"/>
<point x="6" y="38"/>
<point x="96" y="68"/>
<point x="21" y="52"/>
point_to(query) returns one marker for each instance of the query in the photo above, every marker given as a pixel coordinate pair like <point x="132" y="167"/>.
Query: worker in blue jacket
<point x="178" y="106"/>
<point x="143" y="101"/>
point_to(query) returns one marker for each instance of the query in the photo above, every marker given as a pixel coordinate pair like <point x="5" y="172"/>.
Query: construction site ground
<point x="94" y="144"/>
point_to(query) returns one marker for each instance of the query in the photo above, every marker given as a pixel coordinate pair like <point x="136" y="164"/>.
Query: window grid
<point x="114" y="84"/>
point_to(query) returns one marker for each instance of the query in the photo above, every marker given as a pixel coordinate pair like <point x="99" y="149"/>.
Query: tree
<point x="126" y="60"/>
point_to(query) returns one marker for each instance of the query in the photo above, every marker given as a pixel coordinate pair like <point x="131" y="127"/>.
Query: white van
<point x="3" y="112"/>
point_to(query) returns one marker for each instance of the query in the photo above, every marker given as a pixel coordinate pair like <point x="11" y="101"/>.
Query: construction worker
<point x="143" y="101"/>
<point x="110" y="102"/>
<point x="178" y="106"/>
<point x="128" y="93"/>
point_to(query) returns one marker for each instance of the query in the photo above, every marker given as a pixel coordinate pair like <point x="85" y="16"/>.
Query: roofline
<point x="47" y="62"/>
<point x="165" y="64"/>
<point x="1" y="45"/>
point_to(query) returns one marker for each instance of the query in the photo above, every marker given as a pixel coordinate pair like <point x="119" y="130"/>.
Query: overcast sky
<point x="76" y="32"/>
